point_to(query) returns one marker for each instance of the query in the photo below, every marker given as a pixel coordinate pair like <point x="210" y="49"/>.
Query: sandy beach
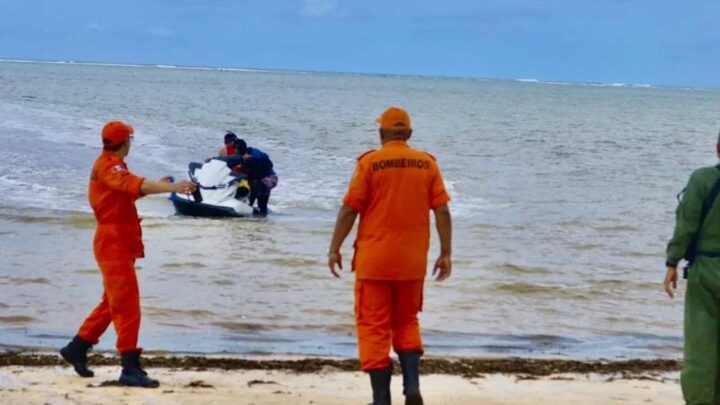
<point x="214" y="380"/>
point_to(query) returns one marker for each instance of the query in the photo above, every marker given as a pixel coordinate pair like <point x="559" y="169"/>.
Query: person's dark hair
<point x="240" y="146"/>
<point x="396" y="133"/>
<point x="115" y="148"/>
<point x="230" y="137"/>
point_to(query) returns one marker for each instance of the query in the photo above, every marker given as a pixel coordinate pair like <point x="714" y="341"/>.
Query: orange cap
<point x="116" y="132"/>
<point x="394" y="118"/>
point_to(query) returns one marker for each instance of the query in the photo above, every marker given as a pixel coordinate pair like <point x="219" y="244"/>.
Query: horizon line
<point x="298" y="71"/>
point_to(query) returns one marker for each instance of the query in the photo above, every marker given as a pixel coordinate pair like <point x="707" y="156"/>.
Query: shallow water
<point x="563" y="200"/>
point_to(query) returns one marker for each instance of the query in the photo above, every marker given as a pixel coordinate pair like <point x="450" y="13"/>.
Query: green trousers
<point x="700" y="378"/>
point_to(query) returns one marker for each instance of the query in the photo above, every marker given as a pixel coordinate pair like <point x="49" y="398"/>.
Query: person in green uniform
<point x="700" y="378"/>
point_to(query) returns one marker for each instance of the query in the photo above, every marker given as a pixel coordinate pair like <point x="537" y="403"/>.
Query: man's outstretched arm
<point x="164" y="186"/>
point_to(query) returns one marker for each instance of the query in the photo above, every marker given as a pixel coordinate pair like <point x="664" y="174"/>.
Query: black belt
<point x="704" y="254"/>
<point x="709" y="254"/>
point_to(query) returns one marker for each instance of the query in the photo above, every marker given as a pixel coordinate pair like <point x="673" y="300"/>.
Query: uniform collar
<point x="112" y="156"/>
<point x="396" y="143"/>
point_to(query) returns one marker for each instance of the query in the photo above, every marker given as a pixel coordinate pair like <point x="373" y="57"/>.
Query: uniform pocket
<point x="704" y="275"/>
<point x="358" y="298"/>
<point x="354" y="257"/>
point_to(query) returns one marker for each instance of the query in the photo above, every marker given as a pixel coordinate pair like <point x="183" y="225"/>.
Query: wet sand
<point x="32" y="378"/>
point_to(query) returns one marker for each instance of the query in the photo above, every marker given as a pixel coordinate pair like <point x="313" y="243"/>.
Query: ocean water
<point x="563" y="201"/>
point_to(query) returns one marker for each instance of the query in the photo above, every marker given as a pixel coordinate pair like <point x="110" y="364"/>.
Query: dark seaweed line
<point x="463" y="367"/>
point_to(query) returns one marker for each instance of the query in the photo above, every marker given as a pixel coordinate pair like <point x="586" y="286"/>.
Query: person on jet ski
<point x="258" y="167"/>
<point x="228" y="149"/>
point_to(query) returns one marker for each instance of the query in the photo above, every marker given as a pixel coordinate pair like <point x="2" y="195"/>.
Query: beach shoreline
<point x="43" y="378"/>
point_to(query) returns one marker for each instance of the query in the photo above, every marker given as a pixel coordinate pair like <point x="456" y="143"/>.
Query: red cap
<point x="394" y="118"/>
<point x="116" y="132"/>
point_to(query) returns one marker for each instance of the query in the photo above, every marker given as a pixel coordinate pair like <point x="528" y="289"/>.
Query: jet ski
<point x="220" y="192"/>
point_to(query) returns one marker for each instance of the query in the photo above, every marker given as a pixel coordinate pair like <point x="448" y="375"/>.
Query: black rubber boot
<point x="132" y="374"/>
<point x="263" y="204"/>
<point x="75" y="353"/>
<point x="410" y="363"/>
<point x="380" y="382"/>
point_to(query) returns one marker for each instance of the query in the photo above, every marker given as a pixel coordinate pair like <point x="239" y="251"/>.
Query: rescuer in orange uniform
<point x="393" y="189"/>
<point x="118" y="242"/>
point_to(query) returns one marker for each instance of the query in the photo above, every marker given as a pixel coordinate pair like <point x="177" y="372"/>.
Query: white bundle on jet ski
<point x="220" y="192"/>
<point x="215" y="181"/>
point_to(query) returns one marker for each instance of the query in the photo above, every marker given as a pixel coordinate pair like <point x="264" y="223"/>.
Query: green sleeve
<point x="687" y="219"/>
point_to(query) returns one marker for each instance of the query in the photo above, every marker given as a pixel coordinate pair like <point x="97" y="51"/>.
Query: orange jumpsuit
<point x="393" y="189"/>
<point x="118" y="242"/>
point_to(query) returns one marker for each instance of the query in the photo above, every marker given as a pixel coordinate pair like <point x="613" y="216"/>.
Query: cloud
<point x="161" y="32"/>
<point x="318" y="8"/>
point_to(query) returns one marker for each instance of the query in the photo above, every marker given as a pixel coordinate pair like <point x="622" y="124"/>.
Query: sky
<point x="657" y="42"/>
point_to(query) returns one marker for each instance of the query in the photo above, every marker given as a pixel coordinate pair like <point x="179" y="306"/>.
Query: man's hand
<point x="334" y="258"/>
<point x="184" y="187"/>
<point x="670" y="282"/>
<point x="444" y="264"/>
<point x="345" y="220"/>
